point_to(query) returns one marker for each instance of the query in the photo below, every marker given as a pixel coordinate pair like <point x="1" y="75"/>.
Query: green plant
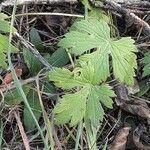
<point x="4" y="41"/>
<point x="87" y="82"/>
<point x="99" y="57"/>
<point x="146" y="62"/>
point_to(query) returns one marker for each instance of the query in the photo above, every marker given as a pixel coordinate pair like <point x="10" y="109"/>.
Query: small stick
<point x="22" y="132"/>
<point x="5" y="88"/>
<point x="25" y="2"/>
<point x="136" y="20"/>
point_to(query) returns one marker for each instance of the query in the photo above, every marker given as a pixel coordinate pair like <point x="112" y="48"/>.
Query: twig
<point x="25" y="2"/>
<point x="12" y="86"/>
<point x="22" y="132"/>
<point x="128" y="14"/>
<point x="139" y="3"/>
<point x="136" y="20"/>
<point x="49" y="125"/>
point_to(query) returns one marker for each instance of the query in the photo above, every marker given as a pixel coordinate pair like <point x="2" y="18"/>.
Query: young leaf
<point x="3" y="60"/>
<point x="144" y="87"/>
<point x="98" y="14"/>
<point x="4" y="44"/>
<point x="92" y="33"/>
<point x="146" y="61"/>
<point x="64" y="78"/>
<point x="87" y="99"/>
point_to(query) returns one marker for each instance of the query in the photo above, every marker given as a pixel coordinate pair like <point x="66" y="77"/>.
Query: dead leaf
<point x="137" y="107"/>
<point x="122" y="94"/>
<point x="120" y="140"/>
<point x="134" y="88"/>
<point x="8" y="77"/>
<point x="141" y="133"/>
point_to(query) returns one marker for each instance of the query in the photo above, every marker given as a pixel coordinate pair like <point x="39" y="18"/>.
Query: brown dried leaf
<point x="8" y="77"/>
<point x="120" y="140"/>
<point x="137" y="135"/>
<point x="137" y="107"/>
<point x="122" y="94"/>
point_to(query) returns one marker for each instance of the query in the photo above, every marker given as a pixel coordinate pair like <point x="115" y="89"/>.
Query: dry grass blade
<point x="22" y="132"/>
<point x="120" y="140"/>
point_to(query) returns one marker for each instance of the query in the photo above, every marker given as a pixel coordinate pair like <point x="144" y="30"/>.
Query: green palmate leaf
<point x="64" y="78"/>
<point x="72" y="107"/>
<point x="98" y="14"/>
<point x="95" y="111"/>
<point x="91" y="33"/>
<point x="86" y="102"/>
<point x="146" y="61"/>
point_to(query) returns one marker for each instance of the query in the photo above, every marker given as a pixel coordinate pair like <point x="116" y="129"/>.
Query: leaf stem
<point x="70" y="57"/>
<point x="79" y="132"/>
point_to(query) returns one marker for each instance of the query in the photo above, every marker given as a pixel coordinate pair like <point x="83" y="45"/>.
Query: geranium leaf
<point x="91" y="33"/>
<point x="71" y="107"/>
<point x="88" y="99"/>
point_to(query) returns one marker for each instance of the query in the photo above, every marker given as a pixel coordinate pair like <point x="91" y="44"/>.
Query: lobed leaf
<point x="64" y="78"/>
<point x="71" y="107"/>
<point x="91" y="33"/>
<point x="90" y="95"/>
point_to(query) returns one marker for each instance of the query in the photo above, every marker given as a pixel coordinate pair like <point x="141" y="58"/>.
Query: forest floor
<point x="125" y="126"/>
